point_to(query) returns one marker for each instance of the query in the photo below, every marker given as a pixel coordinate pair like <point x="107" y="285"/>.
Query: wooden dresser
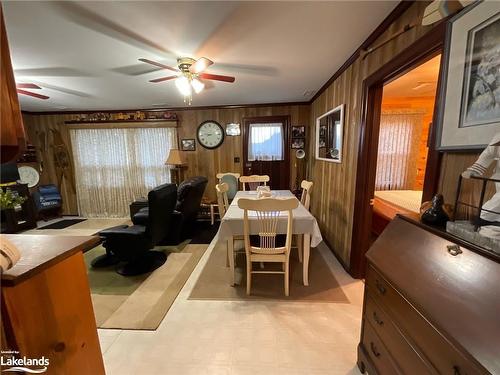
<point x="428" y="308"/>
<point x="46" y="305"/>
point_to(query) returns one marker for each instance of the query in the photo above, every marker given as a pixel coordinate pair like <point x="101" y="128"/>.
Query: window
<point x="265" y="142"/>
<point x="116" y="166"/>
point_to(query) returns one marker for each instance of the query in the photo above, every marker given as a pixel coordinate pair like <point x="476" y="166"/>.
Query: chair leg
<point x="249" y="276"/>
<point x="300" y="246"/>
<point x="287" y="279"/>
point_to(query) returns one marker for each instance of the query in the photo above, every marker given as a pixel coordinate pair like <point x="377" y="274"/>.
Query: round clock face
<point x="29" y="175"/>
<point x="210" y="134"/>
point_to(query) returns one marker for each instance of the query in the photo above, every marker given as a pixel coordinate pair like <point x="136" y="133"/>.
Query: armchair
<point x="189" y="194"/>
<point x="132" y="244"/>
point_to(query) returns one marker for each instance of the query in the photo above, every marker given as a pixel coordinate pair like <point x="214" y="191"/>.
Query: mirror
<point x="329" y="134"/>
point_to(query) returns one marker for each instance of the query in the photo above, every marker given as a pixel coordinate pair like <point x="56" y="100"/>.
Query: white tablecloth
<point x="303" y="221"/>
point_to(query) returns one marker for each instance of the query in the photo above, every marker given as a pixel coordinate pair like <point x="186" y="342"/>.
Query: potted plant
<point x="8" y="203"/>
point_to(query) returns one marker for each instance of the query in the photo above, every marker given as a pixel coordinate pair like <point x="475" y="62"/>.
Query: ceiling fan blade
<point x="217" y="77"/>
<point x="27" y="86"/>
<point x="162" y="79"/>
<point x="24" y="92"/>
<point x="200" y="65"/>
<point x="158" y="65"/>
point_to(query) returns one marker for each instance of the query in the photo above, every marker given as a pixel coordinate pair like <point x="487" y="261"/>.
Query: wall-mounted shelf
<point x="73" y="122"/>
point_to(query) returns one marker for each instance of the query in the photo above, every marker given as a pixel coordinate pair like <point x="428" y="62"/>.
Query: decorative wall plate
<point x="29" y="175"/>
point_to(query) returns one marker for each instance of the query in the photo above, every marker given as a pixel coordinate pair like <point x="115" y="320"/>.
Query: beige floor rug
<point x="140" y="302"/>
<point x="214" y="281"/>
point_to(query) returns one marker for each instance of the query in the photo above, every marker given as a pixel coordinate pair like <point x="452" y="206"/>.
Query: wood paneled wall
<point x="200" y="162"/>
<point x="334" y="191"/>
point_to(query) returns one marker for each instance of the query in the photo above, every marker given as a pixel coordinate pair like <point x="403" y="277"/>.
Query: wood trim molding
<point x="427" y="46"/>
<point x="171" y="109"/>
<point x="384" y="25"/>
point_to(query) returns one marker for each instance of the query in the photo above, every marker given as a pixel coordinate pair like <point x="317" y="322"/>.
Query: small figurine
<point x="435" y="212"/>
<point x="488" y="156"/>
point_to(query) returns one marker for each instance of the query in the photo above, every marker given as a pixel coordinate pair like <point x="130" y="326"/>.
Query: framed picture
<point x="233" y="129"/>
<point x="470" y="83"/>
<point x="188" y="145"/>
<point x="298" y="131"/>
<point x="298" y="143"/>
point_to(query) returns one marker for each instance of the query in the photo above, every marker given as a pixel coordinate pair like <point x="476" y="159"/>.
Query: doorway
<point x="421" y="51"/>
<point x="266" y="150"/>
<point x="403" y="143"/>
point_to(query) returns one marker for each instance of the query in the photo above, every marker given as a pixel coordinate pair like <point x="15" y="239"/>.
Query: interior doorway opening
<point x="406" y="116"/>
<point x="424" y="49"/>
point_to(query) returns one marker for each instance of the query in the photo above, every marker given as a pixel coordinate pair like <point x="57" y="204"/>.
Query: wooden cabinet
<point x="46" y="305"/>
<point x="12" y="136"/>
<point x="426" y="310"/>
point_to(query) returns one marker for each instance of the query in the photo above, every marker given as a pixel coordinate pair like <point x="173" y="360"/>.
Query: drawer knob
<point x="454" y="250"/>
<point x="380" y="287"/>
<point x="377" y="319"/>
<point x="375" y="352"/>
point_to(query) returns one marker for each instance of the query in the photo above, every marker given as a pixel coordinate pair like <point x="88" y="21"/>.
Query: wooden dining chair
<point x="223" y="205"/>
<point x="222" y="199"/>
<point x="254" y="181"/>
<point x="305" y="199"/>
<point x="268" y="212"/>
<point x="232" y="179"/>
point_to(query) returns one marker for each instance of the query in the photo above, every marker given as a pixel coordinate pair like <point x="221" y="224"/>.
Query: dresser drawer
<point x="377" y="351"/>
<point x="397" y="345"/>
<point x="437" y="350"/>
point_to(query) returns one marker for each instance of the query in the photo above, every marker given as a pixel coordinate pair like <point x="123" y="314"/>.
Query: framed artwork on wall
<point x="298" y="143"/>
<point x="469" y="114"/>
<point x="188" y="145"/>
<point x="298" y="131"/>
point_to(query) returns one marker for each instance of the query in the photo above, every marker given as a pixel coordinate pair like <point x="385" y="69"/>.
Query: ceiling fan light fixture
<point x="198" y="86"/>
<point x="183" y="85"/>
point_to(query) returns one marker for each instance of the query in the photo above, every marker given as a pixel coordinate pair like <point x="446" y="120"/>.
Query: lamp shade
<point x="175" y="157"/>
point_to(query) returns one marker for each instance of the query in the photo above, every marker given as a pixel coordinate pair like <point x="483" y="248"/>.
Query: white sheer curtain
<point x="265" y="142"/>
<point x="113" y="167"/>
<point x="399" y="138"/>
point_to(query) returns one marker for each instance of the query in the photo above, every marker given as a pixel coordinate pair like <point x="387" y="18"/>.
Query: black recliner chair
<point x="132" y="244"/>
<point x="189" y="194"/>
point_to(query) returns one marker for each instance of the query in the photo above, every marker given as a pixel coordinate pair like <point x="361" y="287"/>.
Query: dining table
<point x="304" y="223"/>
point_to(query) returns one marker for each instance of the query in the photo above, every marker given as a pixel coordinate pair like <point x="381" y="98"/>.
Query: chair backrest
<point x="268" y="212"/>
<point x="161" y="203"/>
<point x="222" y="199"/>
<point x="231" y="179"/>
<point x="305" y="198"/>
<point x="189" y="195"/>
<point x="253" y="181"/>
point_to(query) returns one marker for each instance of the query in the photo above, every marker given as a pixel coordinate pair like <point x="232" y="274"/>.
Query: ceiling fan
<point x="21" y="90"/>
<point x="189" y="75"/>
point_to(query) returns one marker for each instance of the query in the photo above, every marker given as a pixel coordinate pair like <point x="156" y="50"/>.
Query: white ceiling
<point x="418" y="82"/>
<point x="84" y="54"/>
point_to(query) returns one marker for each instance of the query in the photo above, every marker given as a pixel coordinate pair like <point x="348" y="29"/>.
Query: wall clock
<point x="210" y="134"/>
<point x="29" y="175"/>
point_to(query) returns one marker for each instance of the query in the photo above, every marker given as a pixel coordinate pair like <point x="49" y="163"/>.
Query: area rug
<point x="214" y="281"/>
<point x="140" y="302"/>
<point x="204" y="232"/>
<point x="62" y="224"/>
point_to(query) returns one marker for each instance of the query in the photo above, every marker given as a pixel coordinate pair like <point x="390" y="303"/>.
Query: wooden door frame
<point x="285" y="119"/>
<point x="424" y="48"/>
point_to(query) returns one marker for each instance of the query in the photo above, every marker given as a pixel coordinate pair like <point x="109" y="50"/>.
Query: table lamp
<point x="175" y="158"/>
